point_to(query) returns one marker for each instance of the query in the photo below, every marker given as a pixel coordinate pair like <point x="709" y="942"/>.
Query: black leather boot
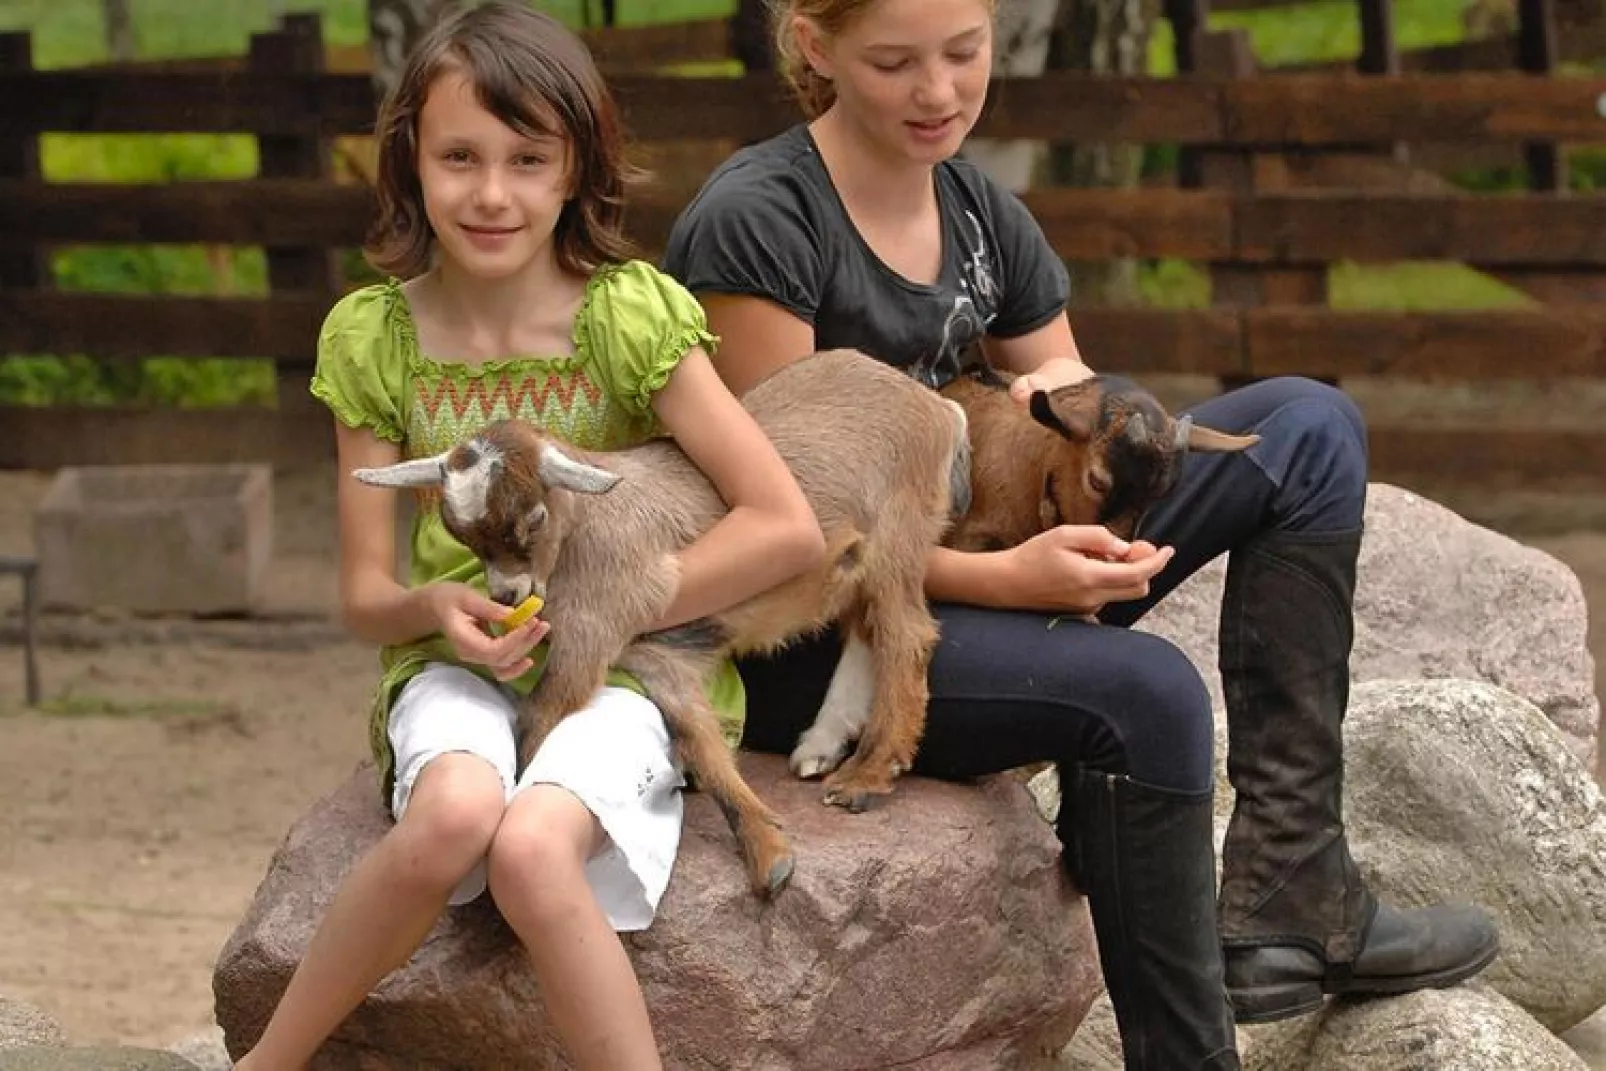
<point x="1145" y="859"/>
<point x="1297" y="921"/>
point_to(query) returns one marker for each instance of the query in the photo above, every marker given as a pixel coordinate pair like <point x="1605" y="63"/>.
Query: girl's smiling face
<point x="492" y="194"/>
<point x="910" y="74"/>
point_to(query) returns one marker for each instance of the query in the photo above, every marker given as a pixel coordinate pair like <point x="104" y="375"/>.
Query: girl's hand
<point x="1050" y="374"/>
<point x="1078" y="568"/>
<point x="462" y="613"/>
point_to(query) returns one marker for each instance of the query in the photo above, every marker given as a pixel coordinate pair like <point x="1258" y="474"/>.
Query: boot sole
<point x="1270" y="1004"/>
<point x="1406" y="983"/>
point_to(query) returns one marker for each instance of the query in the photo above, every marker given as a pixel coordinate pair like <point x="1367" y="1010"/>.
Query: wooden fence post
<point x="21" y="269"/>
<point x="1227" y="54"/>
<point x="297" y="47"/>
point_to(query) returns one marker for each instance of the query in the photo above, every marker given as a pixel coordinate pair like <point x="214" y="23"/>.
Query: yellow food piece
<point x="523" y="612"/>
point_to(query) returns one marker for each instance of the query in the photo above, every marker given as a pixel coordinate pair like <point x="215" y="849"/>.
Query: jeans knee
<point x="1167" y="727"/>
<point x="1313" y="447"/>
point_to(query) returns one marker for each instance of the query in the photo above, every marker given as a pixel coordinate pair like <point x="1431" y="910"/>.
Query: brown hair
<point x="813" y="91"/>
<point x="538" y="78"/>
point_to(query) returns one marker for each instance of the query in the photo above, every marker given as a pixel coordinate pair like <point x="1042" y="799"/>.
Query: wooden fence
<point x="1266" y="239"/>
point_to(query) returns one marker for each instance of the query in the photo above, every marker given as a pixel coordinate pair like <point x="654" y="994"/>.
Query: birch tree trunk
<point x="394" y="26"/>
<point x="1020" y="48"/>
<point x="119" y="30"/>
<point x="1101" y="37"/>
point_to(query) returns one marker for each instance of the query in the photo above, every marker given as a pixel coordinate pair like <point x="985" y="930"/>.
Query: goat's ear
<point x="560" y="470"/>
<point x="1211" y="441"/>
<point x="419" y="472"/>
<point x="1075" y="422"/>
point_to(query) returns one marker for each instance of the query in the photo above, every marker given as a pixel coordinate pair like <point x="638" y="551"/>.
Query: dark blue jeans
<point x="1012" y="688"/>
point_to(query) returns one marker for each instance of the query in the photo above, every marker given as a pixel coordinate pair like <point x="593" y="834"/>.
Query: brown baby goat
<point x="1102" y="451"/>
<point x="883" y="461"/>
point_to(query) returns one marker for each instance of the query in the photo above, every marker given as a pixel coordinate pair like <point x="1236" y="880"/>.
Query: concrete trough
<point x="156" y="539"/>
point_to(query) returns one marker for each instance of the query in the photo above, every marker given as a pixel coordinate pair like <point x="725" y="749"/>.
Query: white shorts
<point x="614" y="755"/>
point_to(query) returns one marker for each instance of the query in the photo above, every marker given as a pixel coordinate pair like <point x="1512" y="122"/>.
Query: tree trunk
<point x="119" y="30"/>
<point x="394" y="26"/>
<point x="1020" y="48"/>
<point x="1101" y="37"/>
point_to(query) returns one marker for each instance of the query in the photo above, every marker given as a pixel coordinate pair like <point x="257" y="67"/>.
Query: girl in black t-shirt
<point x="862" y="229"/>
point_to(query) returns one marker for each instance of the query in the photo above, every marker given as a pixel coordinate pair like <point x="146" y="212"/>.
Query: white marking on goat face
<point x="467" y="490"/>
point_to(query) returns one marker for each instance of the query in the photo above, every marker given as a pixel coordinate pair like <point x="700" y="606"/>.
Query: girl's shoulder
<point x="363" y="352"/>
<point x="634" y="294"/>
<point x="377" y="308"/>
<point x="635" y="325"/>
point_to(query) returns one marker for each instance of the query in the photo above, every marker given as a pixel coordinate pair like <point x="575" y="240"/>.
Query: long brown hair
<point x="534" y="75"/>
<point x="814" y="92"/>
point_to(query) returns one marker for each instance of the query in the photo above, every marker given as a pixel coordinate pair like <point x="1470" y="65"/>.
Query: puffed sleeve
<point x="753" y="239"/>
<point x="361" y="370"/>
<point x="1035" y="283"/>
<point x="636" y="326"/>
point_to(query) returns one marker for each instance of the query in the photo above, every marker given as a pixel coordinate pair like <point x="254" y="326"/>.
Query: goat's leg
<point x="842" y="716"/>
<point x="567" y="684"/>
<point x="675" y="681"/>
<point x="902" y="635"/>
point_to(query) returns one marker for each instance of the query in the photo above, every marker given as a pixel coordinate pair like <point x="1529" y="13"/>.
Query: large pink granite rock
<point x="934" y="933"/>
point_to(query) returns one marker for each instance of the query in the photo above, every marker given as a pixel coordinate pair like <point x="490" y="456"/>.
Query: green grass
<point x="92" y="705"/>
<point x="1331" y="29"/>
<point x="1407" y="287"/>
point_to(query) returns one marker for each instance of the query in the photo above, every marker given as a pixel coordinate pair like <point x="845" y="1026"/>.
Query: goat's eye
<point x="1098" y="483"/>
<point x="536" y="518"/>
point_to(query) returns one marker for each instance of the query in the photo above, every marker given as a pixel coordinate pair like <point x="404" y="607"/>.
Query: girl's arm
<point x="374" y="606"/>
<point x="770" y="533"/>
<point x="1066" y="569"/>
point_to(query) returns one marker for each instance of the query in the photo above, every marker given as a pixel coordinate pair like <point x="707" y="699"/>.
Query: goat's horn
<point x="1209" y="440"/>
<point x="1137" y="429"/>
<point x="1184" y="434"/>
<point x="419" y="472"/>
<point x="560" y="470"/>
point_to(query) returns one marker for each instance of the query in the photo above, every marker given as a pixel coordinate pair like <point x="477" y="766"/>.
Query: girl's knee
<point x="539" y="852"/>
<point x="452" y="812"/>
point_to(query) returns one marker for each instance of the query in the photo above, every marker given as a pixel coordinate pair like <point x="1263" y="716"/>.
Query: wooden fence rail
<point x="1264" y="113"/>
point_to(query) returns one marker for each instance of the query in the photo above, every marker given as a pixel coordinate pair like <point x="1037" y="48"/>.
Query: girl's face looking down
<point x="492" y="195"/>
<point x="910" y="75"/>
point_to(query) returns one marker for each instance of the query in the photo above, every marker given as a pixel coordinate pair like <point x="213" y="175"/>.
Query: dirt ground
<point x="138" y="813"/>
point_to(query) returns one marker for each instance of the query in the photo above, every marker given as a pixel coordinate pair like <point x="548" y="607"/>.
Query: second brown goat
<point x="1102" y="451"/>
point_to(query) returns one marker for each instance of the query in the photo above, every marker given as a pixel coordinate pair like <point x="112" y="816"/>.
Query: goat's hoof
<point x="854" y="795"/>
<point x="810" y="760"/>
<point x="780" y="873"/>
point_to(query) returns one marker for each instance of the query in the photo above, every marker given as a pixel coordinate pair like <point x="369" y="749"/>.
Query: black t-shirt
<point x="768" y="223"/>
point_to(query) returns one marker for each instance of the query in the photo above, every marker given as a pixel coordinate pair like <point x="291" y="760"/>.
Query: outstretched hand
<point x="1079" y="568"/>
<point x="463" y="614"/>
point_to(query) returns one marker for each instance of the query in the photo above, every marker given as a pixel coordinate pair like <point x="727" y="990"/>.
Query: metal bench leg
<point x="30" y="628"/>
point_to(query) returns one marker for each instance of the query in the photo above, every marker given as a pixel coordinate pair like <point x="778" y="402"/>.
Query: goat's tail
<point x="959" y="464"/>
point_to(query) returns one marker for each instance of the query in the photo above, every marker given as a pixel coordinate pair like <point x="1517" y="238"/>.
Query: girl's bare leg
<point x="537" y="875"/>
<point x="386" y="907"/>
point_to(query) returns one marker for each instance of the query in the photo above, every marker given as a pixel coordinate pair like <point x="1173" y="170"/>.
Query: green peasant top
<point x="634" y="326"/>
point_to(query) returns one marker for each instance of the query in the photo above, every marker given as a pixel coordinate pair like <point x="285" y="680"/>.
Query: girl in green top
<point x="500" y="186"/>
